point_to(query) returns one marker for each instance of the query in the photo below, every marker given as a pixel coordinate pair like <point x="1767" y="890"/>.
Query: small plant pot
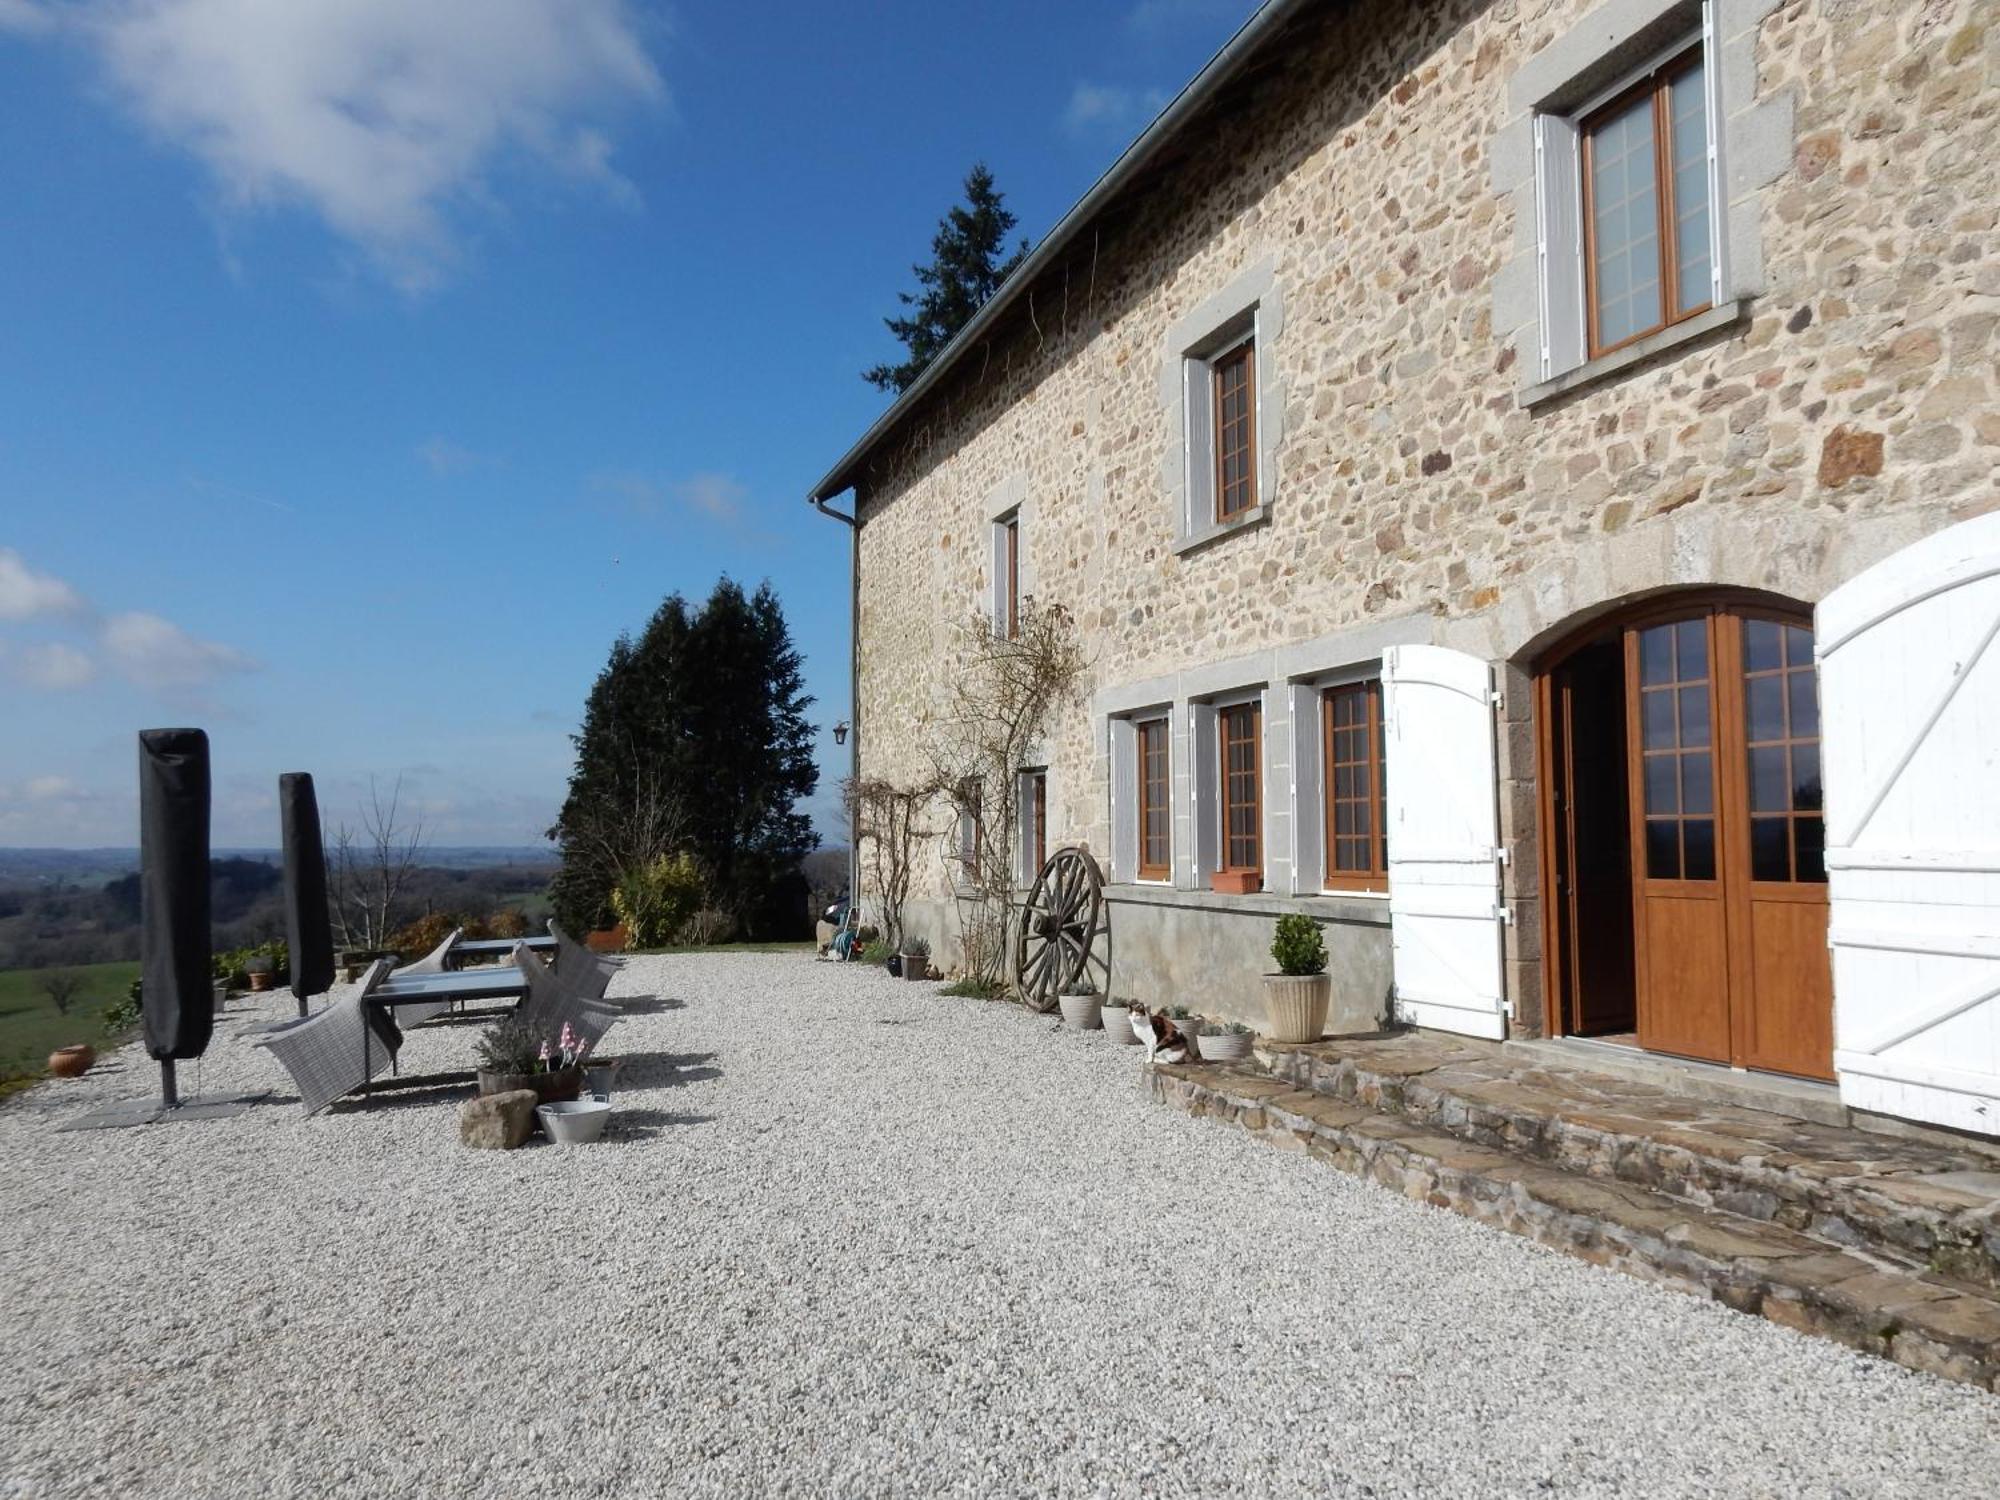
<point x="1236" y="882"/>
<point x="1118" y="1023"/>
<point x="916" y="966"/>
<point x="601" y="1077"/>
<point x="72" y="1061"/>
<point x="575" y="1123"/>
<point x="1230" y="1046"/>
<point x="1296" y="1005"/>
<point x="1082" y="1012"/>
<point x="560" y="1086"/>
<point x="607" y="940"/>
<point x="261" y="982"/>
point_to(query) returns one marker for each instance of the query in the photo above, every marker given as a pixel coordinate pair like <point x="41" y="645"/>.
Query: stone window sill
<point x="1255" y="516"/>
<point x="1605" y="366"/>
<point x="1366" y="910"/>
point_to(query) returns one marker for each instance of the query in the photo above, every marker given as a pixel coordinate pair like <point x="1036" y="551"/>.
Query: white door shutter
<point x="1910" y="710"/>
<point x="1444" y="875"/>
<point x="1124" y="800"/>
<point x="1308" y="825"/>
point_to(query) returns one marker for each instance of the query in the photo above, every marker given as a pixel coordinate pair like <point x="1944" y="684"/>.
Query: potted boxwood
<point x="513" y="1056"/>
<point x="1224" y="1041"/>
<point x="1117" y="1018"/>
<point x="916" y="958"/>
<point x="1296" y="997"/>
<point x="1081" y="1007"/>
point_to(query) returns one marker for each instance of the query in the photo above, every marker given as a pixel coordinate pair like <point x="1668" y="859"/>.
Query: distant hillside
<point x="95" y="866"/>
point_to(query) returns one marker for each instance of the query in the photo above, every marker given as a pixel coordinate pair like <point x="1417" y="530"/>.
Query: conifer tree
<point x="966" y="269"/>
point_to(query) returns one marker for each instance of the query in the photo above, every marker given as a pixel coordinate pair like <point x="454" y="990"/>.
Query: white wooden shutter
<point x="1718" y="197"/>
<point x="1559" y="242"/>
<point x="1308" y="827"/>
<point x="1124" y="800"/>
<point x="1444" y="876"/>
<point x="1910" y="711"/>
<point x="1205" y="794"/>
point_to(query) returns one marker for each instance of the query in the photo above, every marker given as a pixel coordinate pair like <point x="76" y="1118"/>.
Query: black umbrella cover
<point x="177" y="991"/>
<point x="308" y="930"/>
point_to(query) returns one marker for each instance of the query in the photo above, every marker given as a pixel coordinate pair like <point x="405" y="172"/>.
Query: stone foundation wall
<point x="1850" y="410"/>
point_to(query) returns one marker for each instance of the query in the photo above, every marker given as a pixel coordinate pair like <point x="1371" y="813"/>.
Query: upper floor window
<point x="1232" y="378"/>
<point x="971" y="799"/>
<point x="1007" y="575"/>
<point x="1648" y="253"/>
<point x="1357" y="845"/>
<point x="1240" y="728"/>
<point x="1034" y="815"/>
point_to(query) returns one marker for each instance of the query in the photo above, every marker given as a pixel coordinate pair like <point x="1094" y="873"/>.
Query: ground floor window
<point x="1034" y="814"/>
<point x="1357" y="846"/>
<point x="1154" y="810"/>
<point x="1240" y="729"/>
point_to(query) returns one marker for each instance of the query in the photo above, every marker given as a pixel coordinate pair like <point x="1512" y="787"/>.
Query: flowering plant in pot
<point x="511" y="1055"/>
<point x="916" y="958"/>
<point x="1296" y="997"/>
<point x="1224" y="1041"/>
<point x="1082" y="1009"/>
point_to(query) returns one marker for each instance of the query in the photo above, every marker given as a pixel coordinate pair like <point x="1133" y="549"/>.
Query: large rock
<point x="497" y="1122"/>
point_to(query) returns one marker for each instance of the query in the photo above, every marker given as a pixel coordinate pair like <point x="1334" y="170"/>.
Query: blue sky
<point x="366" y="366"/>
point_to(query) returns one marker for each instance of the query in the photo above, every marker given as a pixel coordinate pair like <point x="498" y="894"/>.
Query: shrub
<point x="877" y="952"/>
<point x="126" y="1012"/>
<point x="413" y="941"/>
<point x="1080" y="985"/>
<point x="974" y="988"/>
<point x="507" y="924"/>
<point x="708" y="927"/>
<point x="232" y="966"/>
<point x="1297" y="946"/>
<point x="917" y="947"/>
<point x="656" y="900"/>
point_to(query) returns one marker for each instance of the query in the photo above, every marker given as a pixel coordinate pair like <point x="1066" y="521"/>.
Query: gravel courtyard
<point x="853" y="1238"/>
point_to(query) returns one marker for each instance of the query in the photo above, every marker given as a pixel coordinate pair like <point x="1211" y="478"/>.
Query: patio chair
<point x="433" y="962"/>
<point x="562" y="997"/>
<point x="569" y="952"/>
<point x="324" y="1053"/>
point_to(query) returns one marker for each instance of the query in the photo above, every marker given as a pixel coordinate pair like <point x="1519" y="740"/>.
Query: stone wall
<point x="1850" y="409"/>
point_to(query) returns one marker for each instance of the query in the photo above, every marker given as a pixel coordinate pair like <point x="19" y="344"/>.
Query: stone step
<point x="1928" y="1204"/>
<point x="1916" y="1318"/>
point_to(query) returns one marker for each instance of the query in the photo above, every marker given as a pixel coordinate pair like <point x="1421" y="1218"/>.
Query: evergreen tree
<point x="694" y="740"/>
<point x="966" y="269"/>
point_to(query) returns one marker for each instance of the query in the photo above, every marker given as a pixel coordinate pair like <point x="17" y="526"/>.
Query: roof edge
<point x="1218" y="70"/>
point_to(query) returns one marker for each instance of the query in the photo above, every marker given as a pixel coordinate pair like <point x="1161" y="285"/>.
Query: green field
<point x="31" y="1027"/>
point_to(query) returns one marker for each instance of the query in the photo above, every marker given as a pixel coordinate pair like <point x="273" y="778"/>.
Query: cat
<point x="1165" y="1042"/>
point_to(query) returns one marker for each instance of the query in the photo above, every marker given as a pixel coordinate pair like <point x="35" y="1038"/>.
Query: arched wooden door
<point x="1724" y="838"/>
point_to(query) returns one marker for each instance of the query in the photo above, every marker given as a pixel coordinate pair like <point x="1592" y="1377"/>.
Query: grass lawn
<point x="31" y="1027"/>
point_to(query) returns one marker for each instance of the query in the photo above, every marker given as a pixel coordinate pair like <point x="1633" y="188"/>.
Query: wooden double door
<point x="1683" y="817"/>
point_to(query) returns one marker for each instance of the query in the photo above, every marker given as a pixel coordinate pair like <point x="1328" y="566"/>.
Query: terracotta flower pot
<point x="261" y="981"/>
<point x="73" y="1061"/>
<point x="560" y="1086"/>
<point x="1296" y="1004"/>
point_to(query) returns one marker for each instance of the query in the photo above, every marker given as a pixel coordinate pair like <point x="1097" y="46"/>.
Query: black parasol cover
<point x="177" y="991"/>
<point x="308" y="929"/>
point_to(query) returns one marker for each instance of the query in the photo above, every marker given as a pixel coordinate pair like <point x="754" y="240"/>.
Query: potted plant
<point x="72" y="1061"/>
<point x="1081" y="1007"/>
<point x="512" y="1056"/>
<point x="1296" y="997"/>
<point x="916" y="958"/>
<point x="261" y="968"/>
<point x="1117" y="1017"/>
<point x="1187" y="1023"/>
<point x="1224" y="1041"/>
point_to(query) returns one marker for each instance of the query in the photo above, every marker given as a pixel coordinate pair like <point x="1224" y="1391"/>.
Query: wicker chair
<point x="564" y="997"/>
<point x="572" y="955"/>
<point x="330" y="1052"/>
<point x="433" y="962"/>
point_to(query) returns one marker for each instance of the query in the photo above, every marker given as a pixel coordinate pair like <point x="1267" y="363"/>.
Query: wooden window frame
<point x="1141" y="732"/>
<point x="1243" y="351"/>
<point x="1375" y="878"/>
<point x="1224" y="801"/>
<point x="1010" y="585"/>
<point x="1658" y="82"/>
<point x="1038" y="821"/>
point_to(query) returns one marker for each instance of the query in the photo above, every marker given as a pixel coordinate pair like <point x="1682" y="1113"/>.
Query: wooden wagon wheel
<point x="1062" y="933"/>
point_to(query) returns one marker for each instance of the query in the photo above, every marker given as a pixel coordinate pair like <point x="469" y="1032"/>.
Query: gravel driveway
<point x="852" y="1238"/>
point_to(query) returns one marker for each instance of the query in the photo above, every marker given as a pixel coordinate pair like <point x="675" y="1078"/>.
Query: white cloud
<point x="386" y="118"/>
<point x="157" y="653"/>
<point x="1110" y="108"/>
<point x="444" y="457"/>
<point x="24" y="593"/>
<point x="716" y="496"/>
<point x="51" y="788"/>
<point x="54" y="665"/>
<point x="23" y="15"/>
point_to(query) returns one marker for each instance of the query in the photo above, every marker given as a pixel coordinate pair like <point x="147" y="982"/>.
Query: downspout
<point x="853" y="524"/>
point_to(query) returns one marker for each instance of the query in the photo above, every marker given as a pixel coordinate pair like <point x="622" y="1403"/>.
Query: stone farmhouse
<point x="1524" y="475"/>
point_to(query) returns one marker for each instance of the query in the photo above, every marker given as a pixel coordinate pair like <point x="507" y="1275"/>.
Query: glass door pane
<point x="1781" y="751"/>
<point x="1676" y="751"/>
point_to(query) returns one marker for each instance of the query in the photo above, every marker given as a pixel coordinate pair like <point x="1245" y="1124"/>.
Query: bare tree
<point x="648" y="824"/>
<point x="62" y="989"/>
<point x="371" y="868"/>
<point x="1004" y="691"/>
<point x="890" y="819"/>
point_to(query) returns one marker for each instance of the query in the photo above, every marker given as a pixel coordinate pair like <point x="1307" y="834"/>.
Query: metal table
<point x="501" y="982"/>
<point x="496" y="948"/>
